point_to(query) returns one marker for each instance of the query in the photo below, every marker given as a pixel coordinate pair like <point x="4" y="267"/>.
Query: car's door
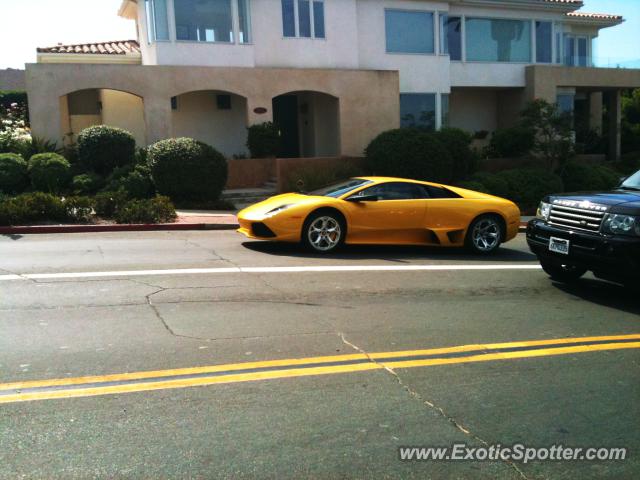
<point x="396" y="216"/>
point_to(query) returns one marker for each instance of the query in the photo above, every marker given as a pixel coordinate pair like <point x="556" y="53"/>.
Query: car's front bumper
<point x="611" y="257"/>
<point x="274" y="228"/>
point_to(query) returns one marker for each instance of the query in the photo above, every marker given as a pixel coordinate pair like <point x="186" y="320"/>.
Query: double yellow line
<point x="268" y="370"/>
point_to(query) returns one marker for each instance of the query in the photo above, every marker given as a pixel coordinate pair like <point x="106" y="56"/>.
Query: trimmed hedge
<point x="44" y="207"/>
<point x="458" y="143"/>
<point x="410" y="153"/>
<point x="102" y="148"/>
<point x="108" y="204"/>
<point x="13" y="173"/>
<point x="512" y="142"/>
<point x="135" y="180"/>
<point x="49" y="172"/>
<point x="524" y="186"/>
<point x="580" y="177"/>
<point x="154" y="210"/>
<point x="185" y="169"/>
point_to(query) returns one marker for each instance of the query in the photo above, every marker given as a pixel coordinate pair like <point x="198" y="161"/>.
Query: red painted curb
<point x="42" y="229"/>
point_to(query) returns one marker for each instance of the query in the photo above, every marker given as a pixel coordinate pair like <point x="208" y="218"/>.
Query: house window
<point x="565" y="103"/>
<point x="223" y="102"/>
<point x="583" y="52"/>
<point x="204" y="20"/>
<point x="244" y="20"/>
<point x="576" y="51"/>
<point x="409" y="31"/>
<point x="451" y="36"/>
<point x="444" y="110"/>
<point x="569" y="50"/>
<point x="418" y="110"/>
<point x="303" y="18"/>
<point x="498" y="40"/>
<point x="157" y="20"/>
<point x="544" y="37"/>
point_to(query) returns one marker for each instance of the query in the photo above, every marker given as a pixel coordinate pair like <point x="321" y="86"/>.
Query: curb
<point x="44" y="229"/>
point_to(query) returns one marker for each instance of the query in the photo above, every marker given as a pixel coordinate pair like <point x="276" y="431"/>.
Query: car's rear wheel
<point x="324" y="232"/>
<point x="565" y="273"/>
<point x="485" y="235"/>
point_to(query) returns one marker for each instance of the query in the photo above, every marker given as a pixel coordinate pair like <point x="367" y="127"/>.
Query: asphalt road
<point x="341" y="413"/>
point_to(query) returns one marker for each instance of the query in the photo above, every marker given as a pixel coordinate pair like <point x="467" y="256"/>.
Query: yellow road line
<point x="380" y="360"/>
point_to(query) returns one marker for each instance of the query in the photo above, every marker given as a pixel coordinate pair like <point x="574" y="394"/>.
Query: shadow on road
<point x="603" y="293"/>
<point x="388" y="253"/>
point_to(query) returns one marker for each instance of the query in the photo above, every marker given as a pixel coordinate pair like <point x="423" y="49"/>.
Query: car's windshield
<point x="632" y="183"/>
<point x="338" y="189"/>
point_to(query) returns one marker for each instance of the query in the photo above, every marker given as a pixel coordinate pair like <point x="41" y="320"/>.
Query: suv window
<point x="395" y="191"/>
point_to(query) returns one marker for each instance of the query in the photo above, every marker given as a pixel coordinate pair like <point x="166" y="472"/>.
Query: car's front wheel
<point x="565" y="273"/>
<point x="324" y="232"/>
<point x="485" y="235"/>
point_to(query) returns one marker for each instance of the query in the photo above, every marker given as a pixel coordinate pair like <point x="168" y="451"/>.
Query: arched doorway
<point x="98" y="106"/>
<point x="309" y="124"/>
<point x="215" y="117"/>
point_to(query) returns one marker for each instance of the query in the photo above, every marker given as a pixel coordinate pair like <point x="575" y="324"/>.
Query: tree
<point x="554" y="142"/>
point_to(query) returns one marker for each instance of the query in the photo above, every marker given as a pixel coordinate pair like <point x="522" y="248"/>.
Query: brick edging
<point x="43" y="229"/>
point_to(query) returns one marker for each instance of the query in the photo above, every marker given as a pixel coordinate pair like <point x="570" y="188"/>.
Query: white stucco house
<point x="332" y="73"/>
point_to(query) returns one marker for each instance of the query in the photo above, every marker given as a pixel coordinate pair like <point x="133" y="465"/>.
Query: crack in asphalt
<point x="439" y="410"/>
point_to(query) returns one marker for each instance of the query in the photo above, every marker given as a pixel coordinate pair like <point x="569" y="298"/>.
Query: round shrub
<point x="512" y="142"/>
<point x="458" y="143"/>
<point x="13" y="173"/>
<point x="185" y="169"/>
<point x="580" y="177"/>
<point x="136" y="182"/>
<point x="86" y="183"/>
<point x="49" y="172"/>
<point x="153" y="210"/>
<point x="409" y="153"/>
<point x="263" y="140"/>
<point x="102" y="148"/>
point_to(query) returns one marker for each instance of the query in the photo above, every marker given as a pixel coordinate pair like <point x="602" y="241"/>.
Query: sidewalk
<point x="187" y="220"/>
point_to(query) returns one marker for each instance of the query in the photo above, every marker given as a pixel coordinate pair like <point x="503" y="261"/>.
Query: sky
<point x="83" y="21"/>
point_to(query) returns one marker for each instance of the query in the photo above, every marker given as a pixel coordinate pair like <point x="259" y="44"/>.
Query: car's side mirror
<point x="363" y="198"/>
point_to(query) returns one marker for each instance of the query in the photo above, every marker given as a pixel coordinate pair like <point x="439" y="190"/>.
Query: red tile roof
<point x="121" y="47"/>
<point x="595" y="16"/>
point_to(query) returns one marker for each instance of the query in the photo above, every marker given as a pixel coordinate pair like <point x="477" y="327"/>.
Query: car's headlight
<point x="621" y="224"/>
<point x="277" y="210"/>
<point x="544" y="209"/>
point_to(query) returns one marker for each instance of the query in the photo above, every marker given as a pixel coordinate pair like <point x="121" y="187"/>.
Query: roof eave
<point x="128" y="9"/>
<point x="524" y="4"/>
<point x="596" y="22"/>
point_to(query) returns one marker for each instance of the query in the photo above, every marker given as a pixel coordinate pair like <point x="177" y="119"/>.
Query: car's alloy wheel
<point x="565" y="273"/>
<point x="485" y="235"/>
<point x="324" y="233"/>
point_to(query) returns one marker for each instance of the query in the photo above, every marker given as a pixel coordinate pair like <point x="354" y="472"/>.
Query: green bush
<point x="7" y="97"/>
<point x="458" y="143"/>
<point x="32" y="207"/>
<point x="312" y="178"/>
<point x="154" y="210"/>
<point x="263" y="140"/>
<point x="524" y="186"/>
<point x="86" y="183"/>
<point x="475" y="186"/>
<point x="493" y="184"/>
<point x="79" y="209"/>
<point x="135" y="180"/>
<point x="107" y="204"/>
<point x="512" y="142"/>
<point x="580" y="177"/>
<point x="13" y="173"/>
<point x="49" y="172"/>
<point x="409" y="153"/>
<point x="185" y="169"/>
<point x="102" y="148"/>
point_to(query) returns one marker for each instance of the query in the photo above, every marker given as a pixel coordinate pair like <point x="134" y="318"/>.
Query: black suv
<point x="598" y="232"/>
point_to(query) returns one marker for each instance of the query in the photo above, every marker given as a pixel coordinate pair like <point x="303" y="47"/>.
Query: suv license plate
<point x="559" y="245"/>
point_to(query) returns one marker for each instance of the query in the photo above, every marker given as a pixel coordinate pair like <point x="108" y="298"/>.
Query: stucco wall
<point x="123" y="110"/>
<point x="368" y="100"/>
<point x="198" y="116"/>
<point x="473" y="109"/>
